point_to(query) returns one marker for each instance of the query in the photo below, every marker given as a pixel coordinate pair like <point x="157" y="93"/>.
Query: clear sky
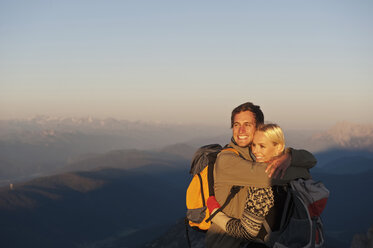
<point x="307" y="63"/>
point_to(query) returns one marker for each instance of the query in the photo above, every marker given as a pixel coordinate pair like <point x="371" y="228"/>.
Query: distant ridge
<point x="134" y="134"/>
<point x="127" y="159"/>
<point x="183" y="150"/>
<point x="347" y="135"/>
<point x="43" y="144"/>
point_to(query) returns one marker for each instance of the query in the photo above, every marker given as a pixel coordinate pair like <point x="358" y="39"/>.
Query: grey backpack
<point x="301" y="225"/>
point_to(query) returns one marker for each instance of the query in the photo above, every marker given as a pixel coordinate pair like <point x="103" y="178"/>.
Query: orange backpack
<point x="202" y="186"/>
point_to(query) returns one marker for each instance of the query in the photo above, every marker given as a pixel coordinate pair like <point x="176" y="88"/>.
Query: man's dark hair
<point x="248" y="106"/>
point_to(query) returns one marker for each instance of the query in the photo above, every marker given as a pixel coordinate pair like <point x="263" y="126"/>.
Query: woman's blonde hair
<point x="274" y="133"/>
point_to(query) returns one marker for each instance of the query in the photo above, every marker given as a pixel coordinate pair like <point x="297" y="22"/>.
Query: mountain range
<point x="343" y="135"/>
<point x="107" y="196"/>
<point x="42" y="145"/>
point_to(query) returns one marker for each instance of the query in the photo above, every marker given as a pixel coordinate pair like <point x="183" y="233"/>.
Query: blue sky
<point x="307" y="63"/>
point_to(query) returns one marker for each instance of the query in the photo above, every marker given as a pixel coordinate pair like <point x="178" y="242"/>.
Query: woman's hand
<point x="278" y="165"/>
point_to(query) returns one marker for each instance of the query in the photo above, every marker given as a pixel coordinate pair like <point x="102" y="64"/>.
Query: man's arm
<point x="231" y="169"/>
<point x="302" y="158"/>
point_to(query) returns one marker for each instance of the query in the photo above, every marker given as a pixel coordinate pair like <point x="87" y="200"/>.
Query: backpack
<point x="301" y="225"/>
<point x="201" y="187"/>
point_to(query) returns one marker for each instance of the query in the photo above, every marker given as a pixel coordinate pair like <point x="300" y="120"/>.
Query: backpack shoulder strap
<point x="232" y="193"/>
<point x="234" y="190"/>
<point x="210" y="170"/>
<point x="230" y="149"/>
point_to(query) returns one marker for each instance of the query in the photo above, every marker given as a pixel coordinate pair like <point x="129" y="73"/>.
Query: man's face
<point x="244" y="126"/>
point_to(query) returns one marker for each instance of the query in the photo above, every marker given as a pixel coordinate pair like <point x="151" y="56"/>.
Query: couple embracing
<point x="262" y="166"/>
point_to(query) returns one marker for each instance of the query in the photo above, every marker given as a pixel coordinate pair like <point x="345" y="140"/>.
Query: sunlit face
<point x="263" y="148"/>
<point x="244" y="126"/>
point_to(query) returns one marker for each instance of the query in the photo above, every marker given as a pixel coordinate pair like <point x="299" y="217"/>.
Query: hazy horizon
<point x="219" y="126"/>
<point x="307" y="64"/>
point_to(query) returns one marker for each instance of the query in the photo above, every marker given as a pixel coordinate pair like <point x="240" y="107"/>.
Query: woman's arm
<point x="259" y="202"/>
<point x="232" y="226"/>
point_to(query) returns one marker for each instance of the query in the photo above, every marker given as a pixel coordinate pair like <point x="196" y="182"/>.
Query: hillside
<point x="347" y="213"/>
<point x="98" y="207"/>
<point x="349" y="209"/>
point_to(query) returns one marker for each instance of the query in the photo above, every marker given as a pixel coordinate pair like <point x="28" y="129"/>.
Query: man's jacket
<point x="232" y="169"/>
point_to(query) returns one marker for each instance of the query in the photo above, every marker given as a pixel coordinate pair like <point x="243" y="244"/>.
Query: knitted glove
<point x="212" y="204"/>
<point x="259" y="201"/>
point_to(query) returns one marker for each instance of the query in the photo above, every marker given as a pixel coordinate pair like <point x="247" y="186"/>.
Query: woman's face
<point x="264" y="149"/>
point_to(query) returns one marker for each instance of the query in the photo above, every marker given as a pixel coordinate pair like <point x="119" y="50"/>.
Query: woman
<point x="262" y="203"/>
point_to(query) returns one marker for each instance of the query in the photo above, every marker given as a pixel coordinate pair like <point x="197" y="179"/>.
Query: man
<point x="232" y="169"/>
